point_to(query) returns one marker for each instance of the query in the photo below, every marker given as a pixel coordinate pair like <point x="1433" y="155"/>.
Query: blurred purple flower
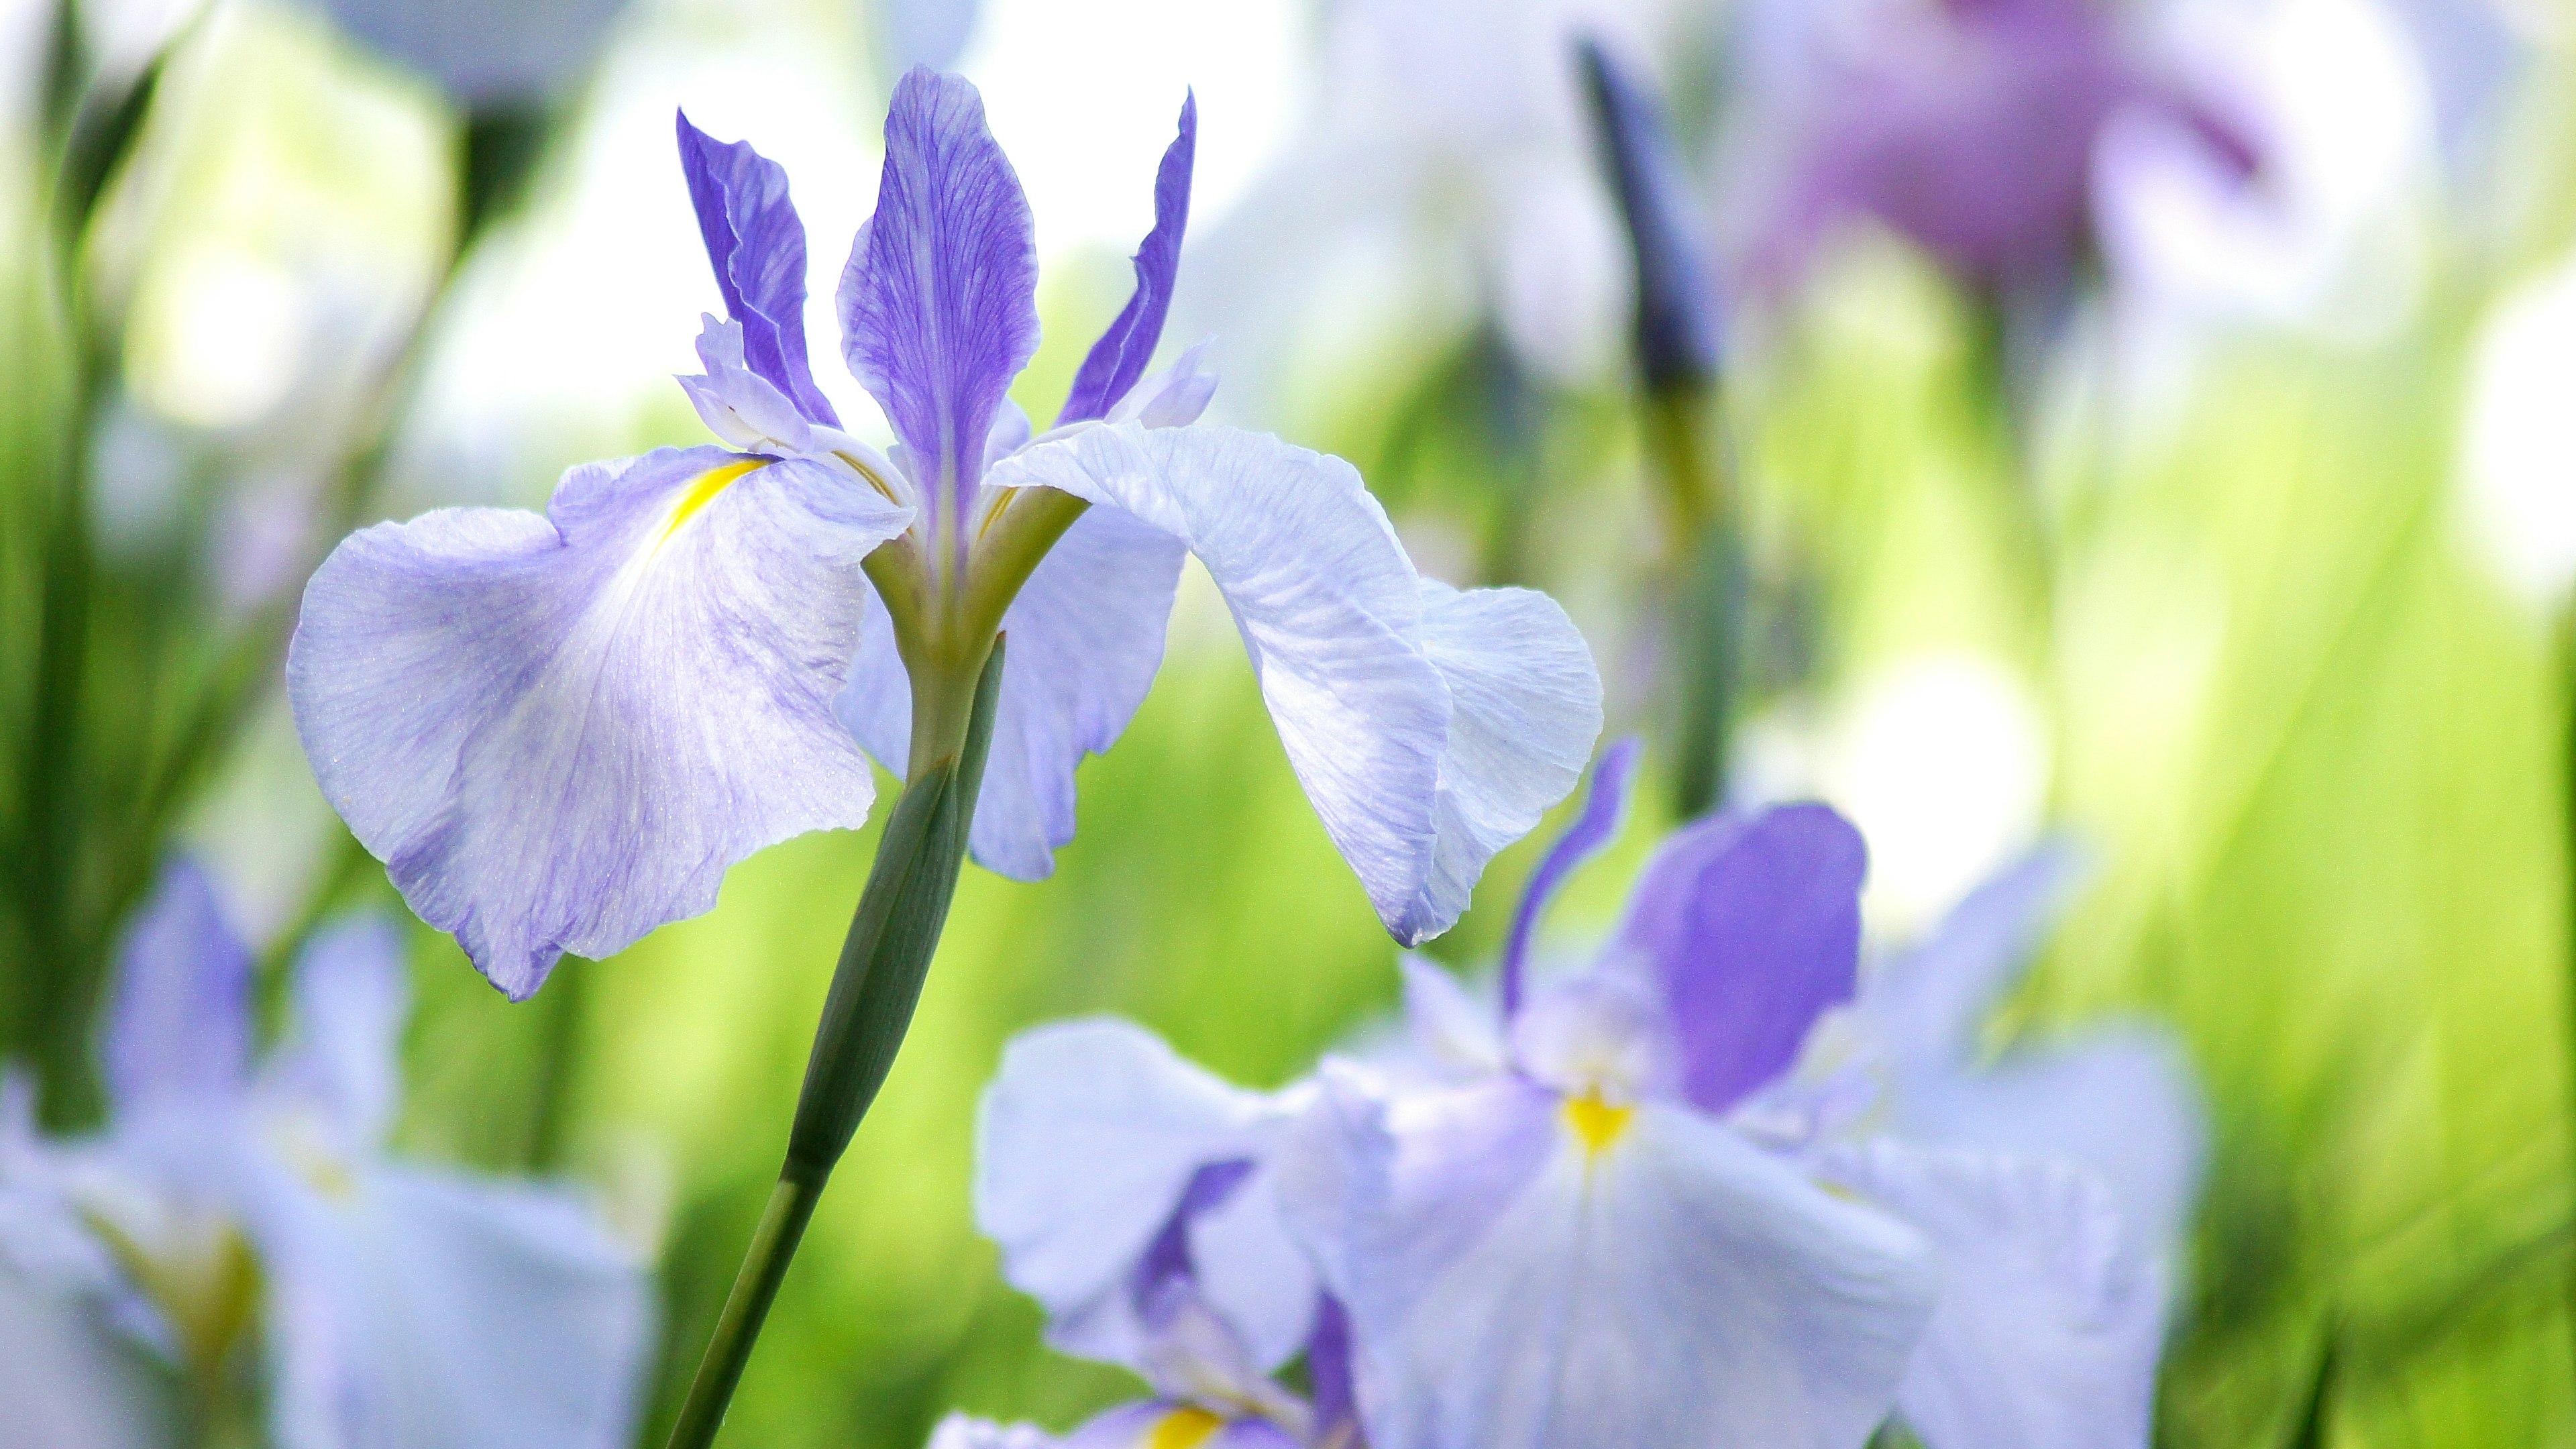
<point x="485" y="51"/>
<point x="1969" y="128"/>
<point x="397" y="1306"/>
<point x="559" y="731"/>
<point x="1654" y="1203"/>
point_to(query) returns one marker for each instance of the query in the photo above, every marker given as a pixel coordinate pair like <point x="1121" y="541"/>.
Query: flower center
<point x="1596" y="1123"/>
<point x="1184" y="1428"/>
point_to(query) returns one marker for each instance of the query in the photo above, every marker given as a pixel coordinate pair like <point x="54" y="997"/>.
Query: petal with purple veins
<point x="1427" y="726"/>
<point x="1119" y="358"/>
<point x="757" y="245"/>
<point x="559" y="730"/>
<point x="939" y="300"/>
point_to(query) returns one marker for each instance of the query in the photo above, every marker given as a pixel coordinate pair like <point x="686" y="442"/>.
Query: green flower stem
<point x="883" y="960"/>
<point x="1707" y="588"/>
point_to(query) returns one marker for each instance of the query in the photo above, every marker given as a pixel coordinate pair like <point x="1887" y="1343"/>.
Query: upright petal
<point x="1086" y="639"/>
<point x="1426" y="726"/>
<point x="181" y="1027"/>
<point x="1521" y="1275"/>
<point x="1118" y="359"/>
<point x="410" y="1310"/>
<point x="342" y="1051"/>
<point x="1593" y="829"/>
<point x="1926" y="1004"/>
<point x="939" y="300"/>
<point x="559" y="731"/>
<point x="2047" y="1331"/>
<point x="757" y="245"/>
<point x="1752" y="926"/>
<point x="1087" y="1142"/>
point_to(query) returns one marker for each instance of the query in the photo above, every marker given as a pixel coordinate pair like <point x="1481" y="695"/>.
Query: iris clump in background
<point x="2144" y="426"/>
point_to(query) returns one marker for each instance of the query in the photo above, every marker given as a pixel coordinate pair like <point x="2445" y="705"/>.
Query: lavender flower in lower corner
<point x="559" y="731"/>
<point x="1649" y="1202"/>
<point x="235" y="1208"/>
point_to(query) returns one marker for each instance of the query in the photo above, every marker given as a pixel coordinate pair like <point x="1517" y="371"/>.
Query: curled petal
<point x="1428" y="727"/>
<point x="1524" y="1271"/>
<point x="1752" y="926"/>
<point x="408" y="1308"/>
<point x="1118" y="359"/>
<point x="181" y="1027"/>
<point x="1087" y="1141"/>
<point x="939" y="300"/>
<point x="559" y="731"/>
<point x="1172" y="398"/>
<point x="757" y="245"/>
<point x="2047" y="1332"/>
<point x="1604" y="810"/>
<point x="738" y="405"/>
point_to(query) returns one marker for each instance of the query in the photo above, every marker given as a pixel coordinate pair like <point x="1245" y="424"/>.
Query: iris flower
<point x="395" y="1305"/>
<point x="559" y="730"/>
<point x="1707" y="1192"/>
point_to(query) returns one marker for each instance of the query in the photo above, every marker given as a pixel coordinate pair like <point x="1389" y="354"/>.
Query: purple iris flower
<point x="560" y="730"/>
<point x="396" y="1305"/>
<point x="1709" y="1191"/>
<point x="1969" y="127"/>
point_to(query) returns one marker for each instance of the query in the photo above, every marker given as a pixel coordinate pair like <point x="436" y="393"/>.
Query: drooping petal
<point x="559" y="731"/>
<point x="1593" y="829"/>
<point x="1525" y="707"/>
<point x="1426" y="726"/>
<point x="181" y="1027"/>
<point x="1087" y="1141"/>
<point x="1926" y="1004"/>
<point x="1118" y="359"/>
<point x="2119" y="1099"/>
<point x="410" y="1310"/>
<point x="342" y="1051"/>
<point x="1086" y="639"/>
<point x="1526" y="1271"/>
<point x="939" y="300"/>
<point x="1752" y="926"/>
<point x="757" y="245"/>
<point x="2048" y="1330"/>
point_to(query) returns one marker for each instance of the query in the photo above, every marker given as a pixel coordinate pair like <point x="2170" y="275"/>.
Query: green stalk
<point x="883" y="960"/>
<point x="1707" y="591"/>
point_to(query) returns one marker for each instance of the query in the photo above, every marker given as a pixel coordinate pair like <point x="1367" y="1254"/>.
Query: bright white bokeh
<point x="2518" y="441"/>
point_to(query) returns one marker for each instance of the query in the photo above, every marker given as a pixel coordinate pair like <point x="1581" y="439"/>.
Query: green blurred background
<point x="2246" y="637"/>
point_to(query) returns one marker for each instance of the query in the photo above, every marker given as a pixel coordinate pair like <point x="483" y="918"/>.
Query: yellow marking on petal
<point x="1597" y="1123"/>
<point x="703" y="492"/>
<point x="1185" y="1428"/>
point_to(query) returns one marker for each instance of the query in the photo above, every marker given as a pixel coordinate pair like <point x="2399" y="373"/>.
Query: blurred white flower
<point x="2517" y="447"/>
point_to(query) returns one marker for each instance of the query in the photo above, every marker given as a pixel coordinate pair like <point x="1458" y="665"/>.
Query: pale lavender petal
<point x="1426" y="726"/>
<point x="342" y="1053"/>
<point x="2119" y="1099"/>
<point x="181" y="1027"/>
<point x="1163" y="1423"/>
<point x="413" y="1310"/>
<point x="1455" y="1035"/>
<point x="1119" y="358"/>
<point x="1752" y="925"/>
<point x="1525" y="708"/>
<point x="70" y="1381"/>
<point x="757" y="245"/>
<point x="1593" y="829"/>
<point x="1519" y="1276"/>
<point x="1087" y="1142"/>
<point x="1086" y="638"/>
<point x="1127" y="1426"/>
<point x="1926" y="1004"/>
<point x="2048" y="1329"/>
<point x="939" y="300"/>
<point x="1172" y="398"/>
<point x="559" y="731"/>
<point x="738" y="405"/>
